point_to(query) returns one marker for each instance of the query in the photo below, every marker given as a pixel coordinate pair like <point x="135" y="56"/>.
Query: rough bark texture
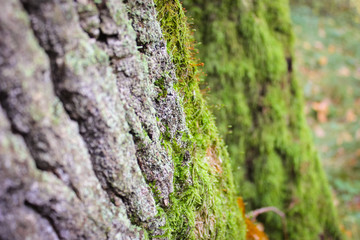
<point x="247" y="49"/>
<point x="97" y="138"/>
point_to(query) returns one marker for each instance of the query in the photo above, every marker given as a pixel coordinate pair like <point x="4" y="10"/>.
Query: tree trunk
<point x="248" y="55"/>
<point x="103" y="135"/>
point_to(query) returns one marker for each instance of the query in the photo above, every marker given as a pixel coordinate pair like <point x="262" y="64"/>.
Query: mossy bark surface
<point x="104" y="133"/>
<point x="247" y="49"/>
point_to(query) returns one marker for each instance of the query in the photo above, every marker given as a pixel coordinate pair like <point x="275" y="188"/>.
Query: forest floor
<point x="328" y="66"/>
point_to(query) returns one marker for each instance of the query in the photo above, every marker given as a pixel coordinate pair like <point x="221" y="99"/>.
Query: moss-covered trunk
<point x="247" y="49"/>
<point x="103" y="131"/>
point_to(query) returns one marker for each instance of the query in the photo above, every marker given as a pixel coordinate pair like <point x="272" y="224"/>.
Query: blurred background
<point x="328" y="64"/>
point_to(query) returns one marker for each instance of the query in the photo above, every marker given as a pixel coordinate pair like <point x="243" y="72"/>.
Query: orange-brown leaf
<point x="253" y="231"/>
<point x="241" y="205"/>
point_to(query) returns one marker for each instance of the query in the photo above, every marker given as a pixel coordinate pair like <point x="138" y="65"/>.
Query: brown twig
<point x="257" y="212"/>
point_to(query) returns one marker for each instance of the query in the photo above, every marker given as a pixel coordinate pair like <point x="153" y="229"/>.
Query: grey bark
<point x="81" y="120"/>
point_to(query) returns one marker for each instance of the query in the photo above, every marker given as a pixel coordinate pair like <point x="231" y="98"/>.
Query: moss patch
<point x="247" y="49"/>
<point x="203" y="203"/>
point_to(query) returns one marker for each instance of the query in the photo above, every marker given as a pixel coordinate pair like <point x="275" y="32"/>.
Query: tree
<point x="104" y="133"/>
<point x="247" y="48"/>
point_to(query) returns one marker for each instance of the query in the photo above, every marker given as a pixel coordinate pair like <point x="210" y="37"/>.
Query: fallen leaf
<point x="319" y="132"/>
<point x="344" y="71"/>
<point x="331" y="48"/>
<point x="319" y="45"/>
<point x="350" y="116"/>
<point x="344" y="230"/>
<point x="323" y="61"/>
<point x="322" y="109"/>
<point x="254" y="231"/>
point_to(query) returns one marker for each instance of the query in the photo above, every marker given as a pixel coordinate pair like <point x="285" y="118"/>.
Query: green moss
<point x="247" y="49"/>
<point x="160" y="84"/>
<point x="203" y="202"/>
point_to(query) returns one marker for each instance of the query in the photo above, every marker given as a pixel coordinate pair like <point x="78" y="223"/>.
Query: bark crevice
<point x="40" y="212"/>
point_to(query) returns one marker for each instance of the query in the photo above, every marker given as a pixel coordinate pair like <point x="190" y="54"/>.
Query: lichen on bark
<point x="63" y="189"/>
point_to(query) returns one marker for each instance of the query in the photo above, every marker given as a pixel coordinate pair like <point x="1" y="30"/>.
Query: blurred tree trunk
<point x="97" y="139"/>
<point x="247" y="50"/>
